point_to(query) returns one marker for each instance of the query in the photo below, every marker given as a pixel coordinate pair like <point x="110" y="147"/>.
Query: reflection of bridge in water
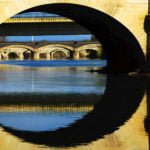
<point x="48" y="102"/>
<point x="50" y="50"/>
<point x="26" y="108"/>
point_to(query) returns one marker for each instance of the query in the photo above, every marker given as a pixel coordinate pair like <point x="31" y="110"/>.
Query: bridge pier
<point x="76" y="55"/>
<point x="5" y="55"/>
<point x="36" y="56"/>
<point x="51" y="56"/>
<point x="48" y="56"/>
<point x="0" y="56"/>
<point x="21" y="57"/>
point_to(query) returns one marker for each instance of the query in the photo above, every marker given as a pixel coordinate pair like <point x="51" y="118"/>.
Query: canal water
<point x="60" y="104"/>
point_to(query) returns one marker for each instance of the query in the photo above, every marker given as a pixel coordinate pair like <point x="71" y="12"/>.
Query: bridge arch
<point x="52" y="47"/>
<point x="50" y="50"/>
<point x="15" y="47"/>
<point x="88" y="51"/>
<point x="122" y="10"/>
<point x="16" y="51"/>
<point x="60" y="53"/>
<point x="96" y="47"/>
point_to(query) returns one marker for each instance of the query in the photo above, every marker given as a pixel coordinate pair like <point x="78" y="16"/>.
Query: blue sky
<point x="35" y="14"/>
<point x="50" y="38"/>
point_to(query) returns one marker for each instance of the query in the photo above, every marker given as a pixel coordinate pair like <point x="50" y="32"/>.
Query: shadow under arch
<point x="61" y="53"/>
<point x="123" y="51"/>
<point x="121" y="99"/>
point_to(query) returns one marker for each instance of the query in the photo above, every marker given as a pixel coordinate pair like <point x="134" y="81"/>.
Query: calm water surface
<point x="60" y="104"/>
<point x="60" y="77"/>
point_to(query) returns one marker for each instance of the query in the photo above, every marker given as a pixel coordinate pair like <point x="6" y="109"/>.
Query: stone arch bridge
<point x="117" y="24"/>
<point x="73" y="50"/>
<point x="130" y="13"/>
